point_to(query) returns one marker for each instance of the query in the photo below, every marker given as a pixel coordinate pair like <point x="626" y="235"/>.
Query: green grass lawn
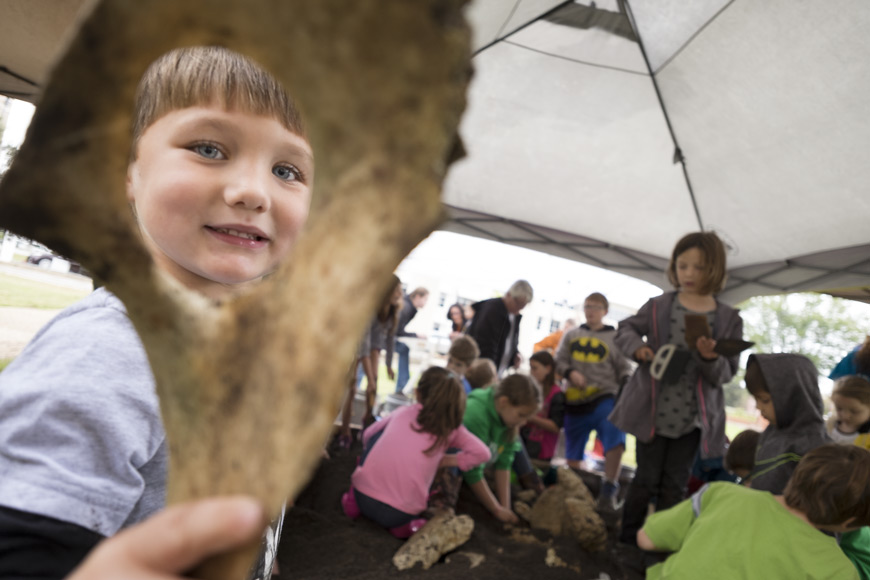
<point x="4" y="362"/>
<point x="21" y="293"/>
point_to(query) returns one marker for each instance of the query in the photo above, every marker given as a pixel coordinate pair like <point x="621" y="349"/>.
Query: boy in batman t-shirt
<point x="594" y="369"/>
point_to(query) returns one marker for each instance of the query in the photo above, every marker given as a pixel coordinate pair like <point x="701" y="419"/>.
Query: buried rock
<point x="568" y="509"/>
<point x="440" y="535"/>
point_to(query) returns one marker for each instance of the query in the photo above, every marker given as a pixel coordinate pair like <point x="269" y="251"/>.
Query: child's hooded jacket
<point x="792" y="380"/>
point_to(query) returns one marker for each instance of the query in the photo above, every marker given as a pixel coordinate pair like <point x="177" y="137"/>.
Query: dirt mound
<point x="320" y="542"/>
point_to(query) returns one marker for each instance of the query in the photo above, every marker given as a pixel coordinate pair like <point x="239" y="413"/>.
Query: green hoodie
<point x="482" y="419"/>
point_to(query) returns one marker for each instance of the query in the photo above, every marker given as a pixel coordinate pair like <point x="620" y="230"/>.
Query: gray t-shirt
<point x="81" y="436"/>
<point x="81" y="439"/>
<point x="677" y="402"/>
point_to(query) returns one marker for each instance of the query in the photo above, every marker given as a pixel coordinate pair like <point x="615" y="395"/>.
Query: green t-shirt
<point x="856" y="546"/>
<point x="741" y="533"/>
<point x="482" y="419"/>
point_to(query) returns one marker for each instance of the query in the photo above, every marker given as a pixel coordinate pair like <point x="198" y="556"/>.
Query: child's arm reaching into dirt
<point x="484" y="495"/>
<point x="503" y="487"/>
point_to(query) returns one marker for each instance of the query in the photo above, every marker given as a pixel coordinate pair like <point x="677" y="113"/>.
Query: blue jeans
<point x="404" y="374"/>
<point x="578" y="428"/>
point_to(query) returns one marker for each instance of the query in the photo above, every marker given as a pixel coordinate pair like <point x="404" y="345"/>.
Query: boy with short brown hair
<point x="463" y="351"/>
<point x="728" y="528"/>
<point x="740" y="457"/>
<point x="481" y="373"/>
<point x="220" y="184"/>
<point x="594" y="369"/>
<point x="786" y="391"/>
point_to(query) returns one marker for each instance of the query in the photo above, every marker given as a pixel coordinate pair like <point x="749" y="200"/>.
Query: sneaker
<point x="345" y="440"/>
<point x="608" y="498"/>
<point x="409" y="529"/>
<point x="349" y="506"/>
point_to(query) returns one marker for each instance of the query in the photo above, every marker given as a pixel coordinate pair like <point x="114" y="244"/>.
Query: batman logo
<point x="588" y="349"/>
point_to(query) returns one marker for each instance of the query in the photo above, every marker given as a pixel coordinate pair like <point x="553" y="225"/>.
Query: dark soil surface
<point x="320" y="542"/>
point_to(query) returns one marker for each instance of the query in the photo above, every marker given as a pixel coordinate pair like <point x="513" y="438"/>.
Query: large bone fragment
<point x="442" y="534"/>
<point x="245" y="393"/>
<point x="568" y="509"/>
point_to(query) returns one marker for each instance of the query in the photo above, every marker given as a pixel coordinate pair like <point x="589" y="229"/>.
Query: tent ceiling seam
<point x="573" y="247"/>
<point x="499" y="38"/>
<point x="508" y="240"/>
<point x="824" y="273"/>
<point x="569" y="59"/>
<point x="508" y="19"/>
<point x="693" y="37"/>
<point x="16" y="94"/>
<point x="545" y="239"/>
<point x="823" y="276"/>
<point x="15" y="75"/>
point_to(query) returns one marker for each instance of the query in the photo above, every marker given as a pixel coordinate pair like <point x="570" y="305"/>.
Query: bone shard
<point x="568" y="509"/>
<point x="442" y="534"/>
<point x="382" y="87"/>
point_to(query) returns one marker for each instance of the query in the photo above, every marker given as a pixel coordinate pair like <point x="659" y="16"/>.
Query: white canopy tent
<point x="603" y="131"/>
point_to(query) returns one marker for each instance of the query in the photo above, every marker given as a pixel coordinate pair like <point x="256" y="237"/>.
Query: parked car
<point x="51" y="261"/>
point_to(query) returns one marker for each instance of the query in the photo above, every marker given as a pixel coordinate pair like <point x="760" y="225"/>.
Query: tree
<point x="818" y="326"/>
<point x="7" y="154"/>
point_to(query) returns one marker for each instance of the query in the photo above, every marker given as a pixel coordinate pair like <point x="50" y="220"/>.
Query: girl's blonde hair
<point x="714" y="261"/>
<point x="521" y="391"/>
<point x="853" y="387"/>
<point x="443" y="400"/>
<point x="211" y="75"/>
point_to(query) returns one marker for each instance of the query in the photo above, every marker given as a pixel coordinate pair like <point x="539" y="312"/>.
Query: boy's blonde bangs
<point x="199" y="76"/>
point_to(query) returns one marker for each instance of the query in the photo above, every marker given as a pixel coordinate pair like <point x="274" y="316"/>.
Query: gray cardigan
<point x="636" y="406"/>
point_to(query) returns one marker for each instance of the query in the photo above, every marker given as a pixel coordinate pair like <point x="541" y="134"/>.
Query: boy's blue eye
<point x="287" y="173"/>
<point x="207" y="150"/>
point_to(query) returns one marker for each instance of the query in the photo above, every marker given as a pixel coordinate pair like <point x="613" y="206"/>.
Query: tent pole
<point x="678" y="153"/>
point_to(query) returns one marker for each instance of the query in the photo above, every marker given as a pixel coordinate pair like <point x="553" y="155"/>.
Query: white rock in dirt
<point x="440" y="535"/>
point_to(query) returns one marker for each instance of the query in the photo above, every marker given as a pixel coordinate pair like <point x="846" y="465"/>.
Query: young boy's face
<point x="594" y="312"/>
<point x="764" y="404"/>
<point x="220" y="196"/>
<point x="456" y="366"/>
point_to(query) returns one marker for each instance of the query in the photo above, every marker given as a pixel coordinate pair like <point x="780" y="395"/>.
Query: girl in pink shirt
<point x="404" y="451"/>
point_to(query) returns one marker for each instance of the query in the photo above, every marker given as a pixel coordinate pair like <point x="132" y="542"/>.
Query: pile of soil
<point x="320" y="542"/>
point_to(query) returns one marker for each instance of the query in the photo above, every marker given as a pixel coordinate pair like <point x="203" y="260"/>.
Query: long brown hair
<point x="544" y="358"/>
<point x="388" y="309"/>
<point x="443" y="400"/>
